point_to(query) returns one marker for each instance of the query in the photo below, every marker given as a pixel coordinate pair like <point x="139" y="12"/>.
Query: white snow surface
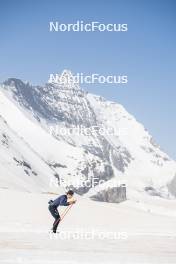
<point x="91" y="232"/>
<point x="141" y="230"/>
<point x="29" y="141"/>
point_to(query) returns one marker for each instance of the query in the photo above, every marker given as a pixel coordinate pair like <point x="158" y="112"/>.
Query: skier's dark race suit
<point x="60" y="201"/>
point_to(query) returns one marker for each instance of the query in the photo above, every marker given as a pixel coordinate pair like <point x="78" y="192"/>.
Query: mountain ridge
<point x="129" y="154"/>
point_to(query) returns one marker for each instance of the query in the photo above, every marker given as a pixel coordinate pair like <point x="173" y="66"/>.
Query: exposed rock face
<point x="70" y="107"/>
<point x="172" y="186"/>
<point x="111" y="195"/>
<point x="124" y="148"/>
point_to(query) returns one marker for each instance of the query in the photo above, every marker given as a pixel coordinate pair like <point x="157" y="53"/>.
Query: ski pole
<point x="65" y="212"/>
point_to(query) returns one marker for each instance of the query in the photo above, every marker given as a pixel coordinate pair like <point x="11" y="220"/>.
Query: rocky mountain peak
<point x="65" y="80"/>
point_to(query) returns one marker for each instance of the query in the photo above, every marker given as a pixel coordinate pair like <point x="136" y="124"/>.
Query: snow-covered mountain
<point x="60" y="133"/>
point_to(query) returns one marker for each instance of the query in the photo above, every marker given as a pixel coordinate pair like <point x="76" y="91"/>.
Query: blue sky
<point x="146" y="53"/>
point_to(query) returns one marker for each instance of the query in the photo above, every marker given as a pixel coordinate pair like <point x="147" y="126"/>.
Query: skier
<point x="60" y="201"/>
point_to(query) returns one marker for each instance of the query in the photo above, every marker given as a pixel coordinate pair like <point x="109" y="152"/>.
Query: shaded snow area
<point x="92" y="232"/>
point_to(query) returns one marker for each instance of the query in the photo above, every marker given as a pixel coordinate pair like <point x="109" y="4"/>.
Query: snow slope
<point x="150" y="167"/>
<point x="128" y="154"/>
<point x="59" y="157"/>
<point x="92" y="232"/>
<point x="21" y="167"/>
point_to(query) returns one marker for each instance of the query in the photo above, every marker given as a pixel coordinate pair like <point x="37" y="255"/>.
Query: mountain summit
<point x="66" y="80"/>
<point x="79" y="137"/>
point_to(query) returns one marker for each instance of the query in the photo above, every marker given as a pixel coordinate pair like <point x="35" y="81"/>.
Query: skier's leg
<point x="54" y="212"/>
<point x="55" y="225"/>
<point x="57" y="220"/>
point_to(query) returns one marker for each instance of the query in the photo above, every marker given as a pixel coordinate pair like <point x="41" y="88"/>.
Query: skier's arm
<point x="71" y="202"/>
<point x="63" y="202"/>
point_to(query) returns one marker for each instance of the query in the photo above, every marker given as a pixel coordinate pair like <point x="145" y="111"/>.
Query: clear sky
<point x="146" y="52"/>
